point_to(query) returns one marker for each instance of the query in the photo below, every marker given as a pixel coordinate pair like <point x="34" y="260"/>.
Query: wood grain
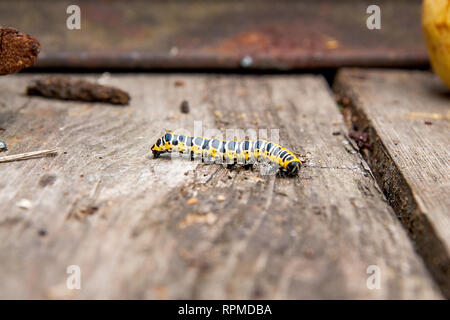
<point x="406" y="114"/>
<point x="158" y="228"/>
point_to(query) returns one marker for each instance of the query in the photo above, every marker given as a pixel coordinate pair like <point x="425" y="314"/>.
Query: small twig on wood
<point x="28" y="155"/>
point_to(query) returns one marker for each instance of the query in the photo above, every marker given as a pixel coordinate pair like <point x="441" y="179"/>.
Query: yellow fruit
<point x="436" y="25"/>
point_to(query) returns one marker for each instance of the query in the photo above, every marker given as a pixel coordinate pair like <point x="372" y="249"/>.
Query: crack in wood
<point x="406" y="186"/>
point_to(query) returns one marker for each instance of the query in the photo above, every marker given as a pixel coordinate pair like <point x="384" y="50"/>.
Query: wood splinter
<point x="28" y="155"/>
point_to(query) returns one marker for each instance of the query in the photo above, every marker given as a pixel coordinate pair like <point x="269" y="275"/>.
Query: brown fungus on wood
<point x="17" y="50"/>
<point x="68" y="89"/>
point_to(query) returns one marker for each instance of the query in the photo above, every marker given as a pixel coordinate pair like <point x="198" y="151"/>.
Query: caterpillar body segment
<point x="230" y="152"/>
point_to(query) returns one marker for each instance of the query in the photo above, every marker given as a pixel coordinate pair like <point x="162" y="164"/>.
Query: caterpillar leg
<point x="282" y="173"/>
<point x="156" y="154"/>
<point x="231" y="166"/>
<point x="289" y="172"/>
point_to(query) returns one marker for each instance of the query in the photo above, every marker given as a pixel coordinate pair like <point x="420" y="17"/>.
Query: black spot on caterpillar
<point x="230" y="152"/>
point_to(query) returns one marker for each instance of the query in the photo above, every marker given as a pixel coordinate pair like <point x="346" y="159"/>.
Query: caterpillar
<point x="232" y="152"/>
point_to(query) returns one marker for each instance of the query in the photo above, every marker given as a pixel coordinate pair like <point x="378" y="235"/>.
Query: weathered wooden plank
<point x="406" y="114"/>
<point x="153" y="228"/>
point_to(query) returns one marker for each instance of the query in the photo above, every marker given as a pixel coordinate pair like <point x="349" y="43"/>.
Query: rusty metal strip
<point x="281" y="35"/>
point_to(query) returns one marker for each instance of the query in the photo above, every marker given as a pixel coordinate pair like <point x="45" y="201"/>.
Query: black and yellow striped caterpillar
<point x="230" y="152"/>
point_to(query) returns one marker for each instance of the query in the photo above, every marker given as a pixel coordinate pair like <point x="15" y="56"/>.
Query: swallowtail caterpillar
<point x="231" y="152"/>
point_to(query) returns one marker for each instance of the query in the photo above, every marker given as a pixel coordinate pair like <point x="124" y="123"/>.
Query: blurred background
<point x="221" y="35"/>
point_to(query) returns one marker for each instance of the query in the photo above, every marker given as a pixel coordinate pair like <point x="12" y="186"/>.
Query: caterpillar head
<point x="293" y="167"/>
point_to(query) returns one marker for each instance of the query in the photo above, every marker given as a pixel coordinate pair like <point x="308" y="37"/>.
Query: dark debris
<point x="361" y="138"/>
<point x="67" y="89"/>
<point x="3" y="146"/>
<point x="184" y="107"/>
